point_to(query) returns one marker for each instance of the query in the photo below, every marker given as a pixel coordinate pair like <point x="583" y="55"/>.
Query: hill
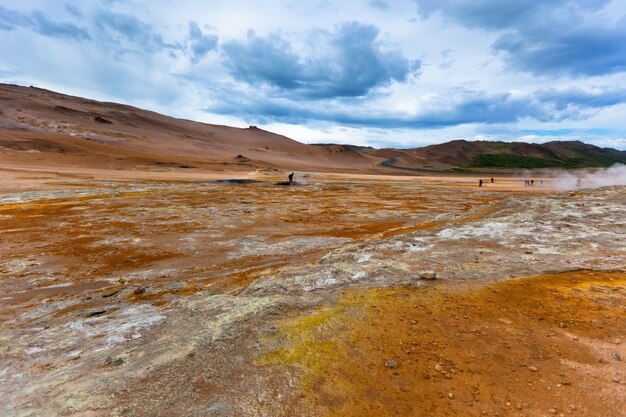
<point x="517" y="155"/>
<point x="42" y="128"/>
<point x="38" y="127"/>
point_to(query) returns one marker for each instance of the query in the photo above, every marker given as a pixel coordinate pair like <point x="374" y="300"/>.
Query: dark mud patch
<point x="229" y="181"/>
<point x="293" y="183"/>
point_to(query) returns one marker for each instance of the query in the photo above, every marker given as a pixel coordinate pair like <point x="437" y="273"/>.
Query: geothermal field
<point x="250" y="298"/>
<point x="138" y="278"/>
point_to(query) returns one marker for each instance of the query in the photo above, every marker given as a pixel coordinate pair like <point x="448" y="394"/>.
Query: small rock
<point x="391" y="364"/>
<point x="430" y="275"/>
<point x="451" y="396"/>
<point x="617" y="357"/>
<point x="114" y="361"/>
<point x="448" y="376"/>
<point x="552" y="410"/>
<point x="102" y="120"/>
<point x="438" y="367"/>
<point x="617" y="341"/>
<point x="139" y="290"/>
<point x="616" y="380"/>
<point x="413" y="321"/>
<point x="533" y="368"/>
<point x="518" y="406"/>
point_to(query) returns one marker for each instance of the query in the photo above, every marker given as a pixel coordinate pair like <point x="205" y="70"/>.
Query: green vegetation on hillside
<point x="503" y="160"/>
<point x="581" y="160"/>
<point x="593" y="159"/>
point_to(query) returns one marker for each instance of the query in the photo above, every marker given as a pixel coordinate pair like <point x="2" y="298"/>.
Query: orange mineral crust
<point x="519" y="347"/>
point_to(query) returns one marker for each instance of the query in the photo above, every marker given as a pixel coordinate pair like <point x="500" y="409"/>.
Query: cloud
<point x="558" y="37"/>
<point x="489" y="14"/>
<point x="457" y="107"/>
<point x="347" y="62"/>
<point x="576" y="50"/>
<point x="199" y="43"/>
<point x="575" y="98"/>
<point x="73" y="10"/>
<point x="38" y="22"/>
<point x="379" y="4"/>
<point x="126" y="30"/>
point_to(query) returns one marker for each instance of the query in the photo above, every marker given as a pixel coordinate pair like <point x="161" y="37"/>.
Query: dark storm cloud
<point x="347" y="62"/>
<point x="458" y="108"/>
<point x="199" y="43"/>
<point x="544" y="36"/>
<point x="40" y="23"/>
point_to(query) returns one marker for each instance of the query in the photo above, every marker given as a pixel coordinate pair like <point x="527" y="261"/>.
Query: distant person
<point x="578" y="182"/>
<point x="291" y="177"/>
<point x="480" y="183"/>
<point x="532" y="182"/>
<point x="525" y="183"/>
<point x="492" y="180"/>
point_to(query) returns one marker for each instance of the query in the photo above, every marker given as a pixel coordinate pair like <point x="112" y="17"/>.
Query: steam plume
<point x="601" y="177"/>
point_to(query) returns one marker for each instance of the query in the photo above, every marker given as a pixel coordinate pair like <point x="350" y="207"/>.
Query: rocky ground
<point x="353" y="297"/>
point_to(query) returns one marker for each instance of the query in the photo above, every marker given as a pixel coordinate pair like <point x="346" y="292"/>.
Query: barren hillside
<point x="38" y="125"/>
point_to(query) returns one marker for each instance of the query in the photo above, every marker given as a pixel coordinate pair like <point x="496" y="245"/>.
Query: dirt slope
<point x="38" y="126"/>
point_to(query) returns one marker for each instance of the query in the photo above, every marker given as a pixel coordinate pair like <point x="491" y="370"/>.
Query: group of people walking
<point x="531" y="183"/>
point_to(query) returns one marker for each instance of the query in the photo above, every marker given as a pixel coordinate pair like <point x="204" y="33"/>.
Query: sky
<point x="383" y="73"/>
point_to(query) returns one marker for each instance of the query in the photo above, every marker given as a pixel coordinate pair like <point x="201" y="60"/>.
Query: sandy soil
<point x="21" y="177"/>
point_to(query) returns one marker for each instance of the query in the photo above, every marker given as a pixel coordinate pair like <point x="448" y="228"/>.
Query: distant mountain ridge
<point x="463" y="154"/>
<point x="39" y="126"/>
